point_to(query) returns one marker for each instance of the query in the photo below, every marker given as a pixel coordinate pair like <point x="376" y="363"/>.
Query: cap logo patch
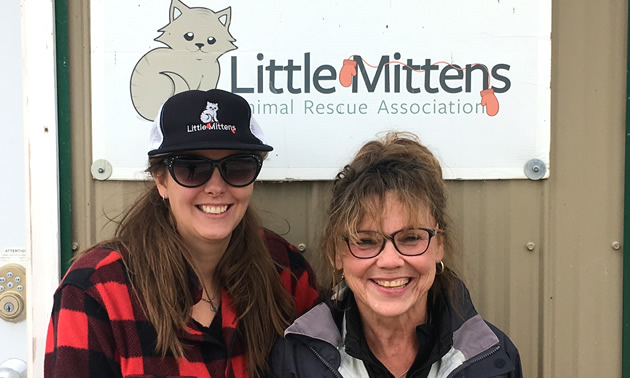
<point x="210" y="120"/>
<point x="210" y="113"/>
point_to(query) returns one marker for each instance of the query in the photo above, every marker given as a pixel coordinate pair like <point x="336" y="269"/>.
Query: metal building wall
<point x="538" y="257"/>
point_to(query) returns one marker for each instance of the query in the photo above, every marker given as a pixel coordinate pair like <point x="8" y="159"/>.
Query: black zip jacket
<point x="328" y="341"/>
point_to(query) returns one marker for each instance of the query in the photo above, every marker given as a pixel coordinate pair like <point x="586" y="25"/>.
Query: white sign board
<point x="471" y="78"/>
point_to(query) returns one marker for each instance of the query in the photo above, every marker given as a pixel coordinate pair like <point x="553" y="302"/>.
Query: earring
<point x="441" y="270"/>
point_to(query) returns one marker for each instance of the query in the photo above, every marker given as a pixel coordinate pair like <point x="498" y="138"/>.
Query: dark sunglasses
<point x="192" y="171"/>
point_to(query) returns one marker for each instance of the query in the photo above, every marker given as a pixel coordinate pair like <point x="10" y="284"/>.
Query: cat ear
<point x="227" y="14"/>
<point x="179" y="6"/>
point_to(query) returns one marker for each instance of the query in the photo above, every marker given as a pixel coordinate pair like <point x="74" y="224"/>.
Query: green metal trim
<point x="63" y="126"/>
<point x="625" y="329"/>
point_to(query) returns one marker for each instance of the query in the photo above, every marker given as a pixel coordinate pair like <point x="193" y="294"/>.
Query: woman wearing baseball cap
<point x="190" y="285"/>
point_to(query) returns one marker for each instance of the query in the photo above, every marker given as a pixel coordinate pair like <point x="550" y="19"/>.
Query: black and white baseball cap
<point x="212" y="120"/>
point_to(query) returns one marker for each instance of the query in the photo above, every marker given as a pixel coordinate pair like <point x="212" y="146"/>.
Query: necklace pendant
<point x="213" y="307"/>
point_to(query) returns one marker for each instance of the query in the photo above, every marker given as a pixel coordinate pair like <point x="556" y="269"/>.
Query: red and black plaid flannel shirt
<point x="98" y="329"/>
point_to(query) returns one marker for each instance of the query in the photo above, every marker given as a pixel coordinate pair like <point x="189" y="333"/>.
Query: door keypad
<point x="12" y="292"/>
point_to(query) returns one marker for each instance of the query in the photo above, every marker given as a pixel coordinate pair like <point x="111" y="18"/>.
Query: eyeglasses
<point x="408" y="242"/>
<point x="192" y="171"/>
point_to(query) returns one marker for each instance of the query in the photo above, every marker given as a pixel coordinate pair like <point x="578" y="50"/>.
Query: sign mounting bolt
<point x="535" y="169"/>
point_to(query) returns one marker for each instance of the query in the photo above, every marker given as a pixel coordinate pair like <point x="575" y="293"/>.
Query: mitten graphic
<point x="489" y="100"/>
<point x="348" y="70"/>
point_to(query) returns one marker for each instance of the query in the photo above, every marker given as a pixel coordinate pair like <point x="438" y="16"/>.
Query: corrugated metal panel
<point x="582" y="281"/>
<point x="495" y="222"/>
<point x="561" y="301"/>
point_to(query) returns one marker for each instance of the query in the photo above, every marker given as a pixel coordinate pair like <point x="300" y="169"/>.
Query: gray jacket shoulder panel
<point x="474" y="337"/>
<point x="309" y="347"/>
<point x="318" y="324"/>
<point x="501" y="360"/>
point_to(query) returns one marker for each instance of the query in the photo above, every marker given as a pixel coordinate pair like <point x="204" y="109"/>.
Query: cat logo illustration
<point x="195" y="39"/>
<point x="209" y="115"/>
<point x="210" y="120"/>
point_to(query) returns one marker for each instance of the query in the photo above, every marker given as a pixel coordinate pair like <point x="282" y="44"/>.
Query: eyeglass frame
<point x="168" y="161"/>
<point x="391" y="237"/>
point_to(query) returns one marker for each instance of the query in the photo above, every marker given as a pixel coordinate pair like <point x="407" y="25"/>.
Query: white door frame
<point x="42" y="179"/>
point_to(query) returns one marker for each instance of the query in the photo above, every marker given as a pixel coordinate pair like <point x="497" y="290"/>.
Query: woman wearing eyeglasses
<point x="190" y="285"/>
<point x="398" y="310"/>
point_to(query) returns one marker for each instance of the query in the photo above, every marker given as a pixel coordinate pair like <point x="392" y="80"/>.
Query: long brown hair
<point x="398" y="163"/>
<point x="157" y="260"/>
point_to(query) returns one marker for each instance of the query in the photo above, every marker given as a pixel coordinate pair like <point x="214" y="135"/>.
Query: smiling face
<point x="391" y="285"/>
<point x="206" y="215"/>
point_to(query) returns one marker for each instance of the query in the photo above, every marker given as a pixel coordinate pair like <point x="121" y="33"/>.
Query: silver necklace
<point x="213" y="307"/>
